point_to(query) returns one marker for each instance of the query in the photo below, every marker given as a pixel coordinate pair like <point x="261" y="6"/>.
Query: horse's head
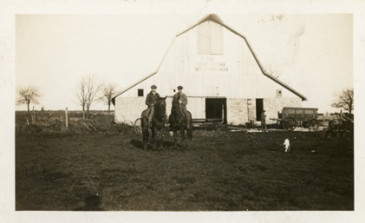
<point x="160" y="106"/>
<point x="161" y="101"/>
<point x="177" y="113"/>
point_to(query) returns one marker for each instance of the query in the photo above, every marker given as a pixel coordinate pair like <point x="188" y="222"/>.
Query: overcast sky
<point x="311" y="53"/>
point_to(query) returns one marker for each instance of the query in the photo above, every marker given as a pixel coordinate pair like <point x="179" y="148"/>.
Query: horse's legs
<point x="182" y="130"/>
<point x="186" y="137"/>
<point x="157" y="138"/>
<point x="161" y="137"/>
<point x="175" y="138"/>
<point x="145" y="136"/>
<point x="154" y="137"/>
<point x="159" y="133"/>
<point x="144" y="139"/>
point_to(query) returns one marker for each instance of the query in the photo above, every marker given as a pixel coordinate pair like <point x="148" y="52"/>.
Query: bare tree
<point x="87" y="91"/>
<point x="27" y="95"/>
<point x="107" y="93"/>
<point x="345" y="100"/>
<point x="81" y="96"/>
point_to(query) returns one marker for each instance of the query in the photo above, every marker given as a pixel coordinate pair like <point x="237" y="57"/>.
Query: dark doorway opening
<point x="216" y="109"/>
<point x="259" y="108"/>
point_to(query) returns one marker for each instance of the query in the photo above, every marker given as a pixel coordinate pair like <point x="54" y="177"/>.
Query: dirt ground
<point x="219" y="171"/>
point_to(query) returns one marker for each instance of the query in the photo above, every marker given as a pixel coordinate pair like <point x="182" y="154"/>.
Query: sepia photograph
<point x="181" y="111"/>
<point x="152" y="112"/>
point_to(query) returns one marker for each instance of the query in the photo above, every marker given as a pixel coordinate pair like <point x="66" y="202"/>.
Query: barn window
<point x="140" y="92"/>
<point x="210" y="39"/>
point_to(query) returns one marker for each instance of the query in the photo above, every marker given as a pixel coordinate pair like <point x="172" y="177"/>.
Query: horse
<point x="158" y="123"/>
<point x="178" y="123"/>
<point x="340" y="127"/>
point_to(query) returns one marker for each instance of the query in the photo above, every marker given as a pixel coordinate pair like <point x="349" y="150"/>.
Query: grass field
<point x="219" y="171"/>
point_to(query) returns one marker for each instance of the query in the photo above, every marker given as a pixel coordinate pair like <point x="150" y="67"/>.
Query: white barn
<point x="221" y="76"/>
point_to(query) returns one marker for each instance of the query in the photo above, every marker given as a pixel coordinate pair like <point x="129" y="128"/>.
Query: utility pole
<point x="66" y="117"/>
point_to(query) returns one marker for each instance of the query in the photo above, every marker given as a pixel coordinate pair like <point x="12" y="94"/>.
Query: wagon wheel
<point x="284" y="124"/>
<point x="137" y="126"/>
<point x="313" y="124"/>
<point x="289" y="123"/>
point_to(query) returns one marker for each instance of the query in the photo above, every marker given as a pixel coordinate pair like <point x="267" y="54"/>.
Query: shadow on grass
<point x="165" y="144"/>
<point x="137" y="143"/>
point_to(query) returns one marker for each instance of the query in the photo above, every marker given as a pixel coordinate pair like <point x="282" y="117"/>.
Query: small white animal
<point x="286" y="145"/>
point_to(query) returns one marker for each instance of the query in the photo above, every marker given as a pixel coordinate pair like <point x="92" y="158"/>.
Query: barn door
<point x="259" y="108"/>
<point x="216" y="109"/>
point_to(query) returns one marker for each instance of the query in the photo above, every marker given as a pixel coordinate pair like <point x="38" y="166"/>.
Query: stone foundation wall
<point x="127" y="110"/>
<point x="274" y="105"/>
<point x="239" y="110"/>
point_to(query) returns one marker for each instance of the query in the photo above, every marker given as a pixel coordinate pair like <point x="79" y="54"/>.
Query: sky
<point x="313" y="53"/>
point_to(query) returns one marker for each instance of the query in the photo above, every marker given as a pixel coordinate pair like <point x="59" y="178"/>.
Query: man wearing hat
<point x="180" y="99"/>
<point x="263" y="120"/>
<point x="151" y="100"/>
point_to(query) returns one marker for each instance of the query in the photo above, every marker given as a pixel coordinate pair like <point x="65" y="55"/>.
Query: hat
<point x="153" y="87"/>
<point x="179" y="87"/>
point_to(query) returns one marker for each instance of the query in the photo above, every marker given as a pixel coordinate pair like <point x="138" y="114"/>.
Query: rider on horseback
<point x="181" y="101"/>
<point x="151" y="100"/>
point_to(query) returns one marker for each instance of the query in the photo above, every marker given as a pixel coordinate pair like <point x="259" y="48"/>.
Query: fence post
<point x="248" y="109"/>
<point x="223" y="113"/>
<point x="341" y="116"/>
<point x="66" y="117"/>
<point x="33" y="116"/>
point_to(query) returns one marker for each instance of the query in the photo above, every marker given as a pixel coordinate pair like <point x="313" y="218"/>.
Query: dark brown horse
<point x="158" y="123"/>
<point x="178" y="124"/>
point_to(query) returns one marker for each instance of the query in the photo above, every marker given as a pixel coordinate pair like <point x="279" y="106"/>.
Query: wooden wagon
<point x="291" y="117"/>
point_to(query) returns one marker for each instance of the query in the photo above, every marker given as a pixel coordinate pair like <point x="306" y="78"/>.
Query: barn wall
<point x="197" y="107"/>
<point x="234" y="75"/>
<point x="274" y="105"/>
<point x="237" y="110"/>
<point x="127" y="110"/>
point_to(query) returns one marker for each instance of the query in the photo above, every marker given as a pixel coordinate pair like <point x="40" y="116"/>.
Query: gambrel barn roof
<point x="214" y="18"/>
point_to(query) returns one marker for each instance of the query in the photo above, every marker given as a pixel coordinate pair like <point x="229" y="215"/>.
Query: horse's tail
<point x="144" y="121"/>
<point x="190" y="130"/>
<point x="190" y="133"/>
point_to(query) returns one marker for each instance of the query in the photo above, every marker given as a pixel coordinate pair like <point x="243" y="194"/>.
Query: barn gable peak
<point x="211" y="17"/>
